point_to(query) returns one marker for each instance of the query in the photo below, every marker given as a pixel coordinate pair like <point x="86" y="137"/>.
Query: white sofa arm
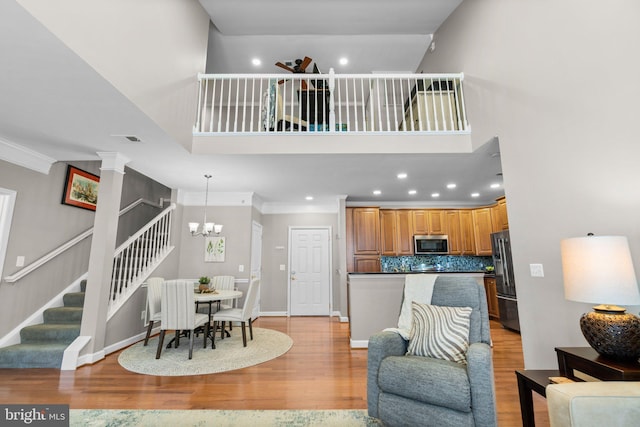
<point x="591" y="404"/>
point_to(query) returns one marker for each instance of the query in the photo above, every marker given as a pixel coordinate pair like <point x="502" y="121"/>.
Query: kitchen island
<point x="375" y="300"/>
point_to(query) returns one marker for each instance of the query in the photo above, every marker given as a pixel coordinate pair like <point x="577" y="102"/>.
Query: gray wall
<point x="275" y="251"/>
<point x="41" y="223"/>
<point x="556" y="82"/>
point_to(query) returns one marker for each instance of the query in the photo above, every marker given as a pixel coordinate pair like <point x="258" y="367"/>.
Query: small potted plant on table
<point x="204" y="283"/>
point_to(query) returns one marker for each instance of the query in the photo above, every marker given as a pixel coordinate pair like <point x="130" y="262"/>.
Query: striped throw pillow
<point x="440" y="332"/>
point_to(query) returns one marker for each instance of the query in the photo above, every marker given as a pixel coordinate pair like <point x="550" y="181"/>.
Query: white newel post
<point x="103" y="245"/>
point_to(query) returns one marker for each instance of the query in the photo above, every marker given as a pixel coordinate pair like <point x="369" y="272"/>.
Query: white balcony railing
<point x="365" y="103"/>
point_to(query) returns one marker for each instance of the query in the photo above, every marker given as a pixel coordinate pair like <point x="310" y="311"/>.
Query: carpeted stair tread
<point x="62" y="333"/>
<point x="58" y="315"/>
<point x="73" y="299"/>
<point x="32" y="356"/>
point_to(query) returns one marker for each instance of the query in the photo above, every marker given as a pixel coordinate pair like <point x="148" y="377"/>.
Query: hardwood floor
<point x="320" y="371"/>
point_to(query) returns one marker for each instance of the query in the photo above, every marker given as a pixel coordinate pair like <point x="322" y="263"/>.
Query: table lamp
<point x="599" y="270"/>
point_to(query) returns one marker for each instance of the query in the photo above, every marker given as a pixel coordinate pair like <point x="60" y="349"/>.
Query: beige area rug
<point x="228" y="355"/>
<point x="222" y="418"/>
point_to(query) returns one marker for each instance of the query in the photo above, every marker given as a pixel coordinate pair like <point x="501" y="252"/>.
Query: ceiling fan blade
<point x="281" y="65"/>
<point x="305" y="63"/>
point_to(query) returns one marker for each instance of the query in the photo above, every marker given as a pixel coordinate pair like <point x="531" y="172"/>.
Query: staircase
<point x="43" y="345"/>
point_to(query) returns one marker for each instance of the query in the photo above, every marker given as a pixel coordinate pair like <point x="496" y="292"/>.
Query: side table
<point x="588" y="361"/>
<point x="530" y="380"/>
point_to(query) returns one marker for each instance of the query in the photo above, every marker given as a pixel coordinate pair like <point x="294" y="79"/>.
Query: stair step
<point x="49" y="333"/>
<point x="58" y="315"/>
<point x="32" y="356"/>
<point x="73" y="299"/>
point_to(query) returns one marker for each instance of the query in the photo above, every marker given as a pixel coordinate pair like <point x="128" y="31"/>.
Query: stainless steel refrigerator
<point x="505" y="282"/>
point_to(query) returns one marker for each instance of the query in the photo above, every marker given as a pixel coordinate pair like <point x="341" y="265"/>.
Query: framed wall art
<point x="214" y="249"/>
<point x="80" y="189"/>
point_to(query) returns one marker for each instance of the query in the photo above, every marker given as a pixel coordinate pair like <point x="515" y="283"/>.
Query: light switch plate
<point x="241" y="268"/>
<point x="282" y="267"/>
<point x="536" y="270"/>
<point x="20" y="261"/>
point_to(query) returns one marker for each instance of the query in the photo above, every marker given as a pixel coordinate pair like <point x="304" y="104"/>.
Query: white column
<point x="103" y="245"/>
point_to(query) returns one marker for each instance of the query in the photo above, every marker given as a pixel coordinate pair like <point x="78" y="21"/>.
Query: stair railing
<point x="138" y="256"/>
<point x="67" y="245"/>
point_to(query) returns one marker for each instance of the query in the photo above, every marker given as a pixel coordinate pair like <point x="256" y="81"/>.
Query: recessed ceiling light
<point x="343" y="61"/>
<point x="451" y="186"/>
<point x="475" y="194"/>
<point x="256" y="61"/>
<point x="309" y="198"/>
<point x="412" y="192"/>
<point x="435" y="194"/>
<point x="377" y="192"/>
<point x="402" y="175"/>
<point x="495" y="185"/>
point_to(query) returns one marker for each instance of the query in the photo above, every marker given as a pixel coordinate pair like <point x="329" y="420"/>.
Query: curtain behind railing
<point x="365" y="103"/>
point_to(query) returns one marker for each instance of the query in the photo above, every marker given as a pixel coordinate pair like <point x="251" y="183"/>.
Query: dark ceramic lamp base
<point x="612" y="332"/>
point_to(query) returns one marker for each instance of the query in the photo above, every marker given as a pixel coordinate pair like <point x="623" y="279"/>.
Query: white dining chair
<point x="179" y="313"/>
<point x="242" y="315"/>
<point x="227" y="283"/>
<point x="154" y="303"/>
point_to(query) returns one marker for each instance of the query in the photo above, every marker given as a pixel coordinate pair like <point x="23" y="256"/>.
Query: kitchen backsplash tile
<point x="436" y="262"/>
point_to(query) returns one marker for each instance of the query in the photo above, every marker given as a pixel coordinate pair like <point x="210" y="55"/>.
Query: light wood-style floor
<point x="320" y="371"/>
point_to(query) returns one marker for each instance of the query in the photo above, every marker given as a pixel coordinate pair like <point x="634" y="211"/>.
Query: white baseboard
<point x="359" y="343"/>
<point x="274" y="313"/>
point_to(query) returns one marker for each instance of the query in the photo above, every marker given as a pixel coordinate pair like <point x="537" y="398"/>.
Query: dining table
<point x="215" y="296"/>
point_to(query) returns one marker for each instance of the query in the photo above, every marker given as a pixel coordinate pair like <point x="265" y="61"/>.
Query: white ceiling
<point x="57" y="105"/>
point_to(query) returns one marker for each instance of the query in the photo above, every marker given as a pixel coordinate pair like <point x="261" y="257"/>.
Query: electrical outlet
<point x="536" y="270"/>
<point x="143" y="314"/>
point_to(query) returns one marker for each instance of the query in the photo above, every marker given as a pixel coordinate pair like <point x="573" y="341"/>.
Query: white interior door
<point x="256" y="260"/>
<point x="310" y="271"/>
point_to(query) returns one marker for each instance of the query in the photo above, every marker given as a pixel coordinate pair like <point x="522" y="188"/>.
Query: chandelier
<point x="207" y="227"/>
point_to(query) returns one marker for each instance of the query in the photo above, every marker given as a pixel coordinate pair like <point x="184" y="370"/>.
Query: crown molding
<point x="25" y="157"/>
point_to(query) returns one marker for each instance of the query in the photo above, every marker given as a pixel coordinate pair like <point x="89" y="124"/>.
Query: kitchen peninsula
<point x="375" y="300"/>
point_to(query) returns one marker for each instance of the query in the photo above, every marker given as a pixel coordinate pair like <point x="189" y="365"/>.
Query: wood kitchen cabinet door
<point x="396" y="236"/>
<point x="388" y="232"/>
<point x="483" y="230"/>
<point x="454" y="232"/>
<point x="420" y="221"/>
<point x="467" y="233"/>
<point x="504" y="218"/>
<point x="492" y="297"/>
<point x="404" y="232"/>
<point x="366" y="264"/>
<point x="437" y="222"/>
<point x="366" y="231"/>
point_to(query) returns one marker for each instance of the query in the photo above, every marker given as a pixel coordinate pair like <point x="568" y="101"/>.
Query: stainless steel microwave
<point x="431" y="244"/>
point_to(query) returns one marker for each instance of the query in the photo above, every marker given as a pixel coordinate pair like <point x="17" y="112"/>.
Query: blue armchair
<point x="409" y="390"/>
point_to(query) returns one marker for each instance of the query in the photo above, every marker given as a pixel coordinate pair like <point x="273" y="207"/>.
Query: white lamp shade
<point x="599" y="270"/>
<point x="218" y="228"/>
<point x="208" y="227"/>
<point x="193" y="227"/>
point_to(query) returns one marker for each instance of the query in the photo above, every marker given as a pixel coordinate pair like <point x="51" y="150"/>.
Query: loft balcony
<point x="330" y="113"/>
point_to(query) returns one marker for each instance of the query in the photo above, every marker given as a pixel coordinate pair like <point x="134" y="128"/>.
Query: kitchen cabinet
<point x="452" y="219"/>
<point x="483" y="229"/>
<point x="429" y="221"/>
<point x="467" y="233"/>
<point x="366" y="264"/>
<point x="396" y="232"/>
<point x="492" y="297"/>
<point x="366" y="231"/>
<point x="502" y="209"/>
<point x="499" y="218"/>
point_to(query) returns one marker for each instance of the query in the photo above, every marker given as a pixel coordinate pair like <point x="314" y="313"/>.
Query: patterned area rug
<point x="229" y="354"/>
<point x="155" y="418"/>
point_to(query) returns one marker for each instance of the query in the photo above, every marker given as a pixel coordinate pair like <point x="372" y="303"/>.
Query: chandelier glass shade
<point x="207" y="227"/>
